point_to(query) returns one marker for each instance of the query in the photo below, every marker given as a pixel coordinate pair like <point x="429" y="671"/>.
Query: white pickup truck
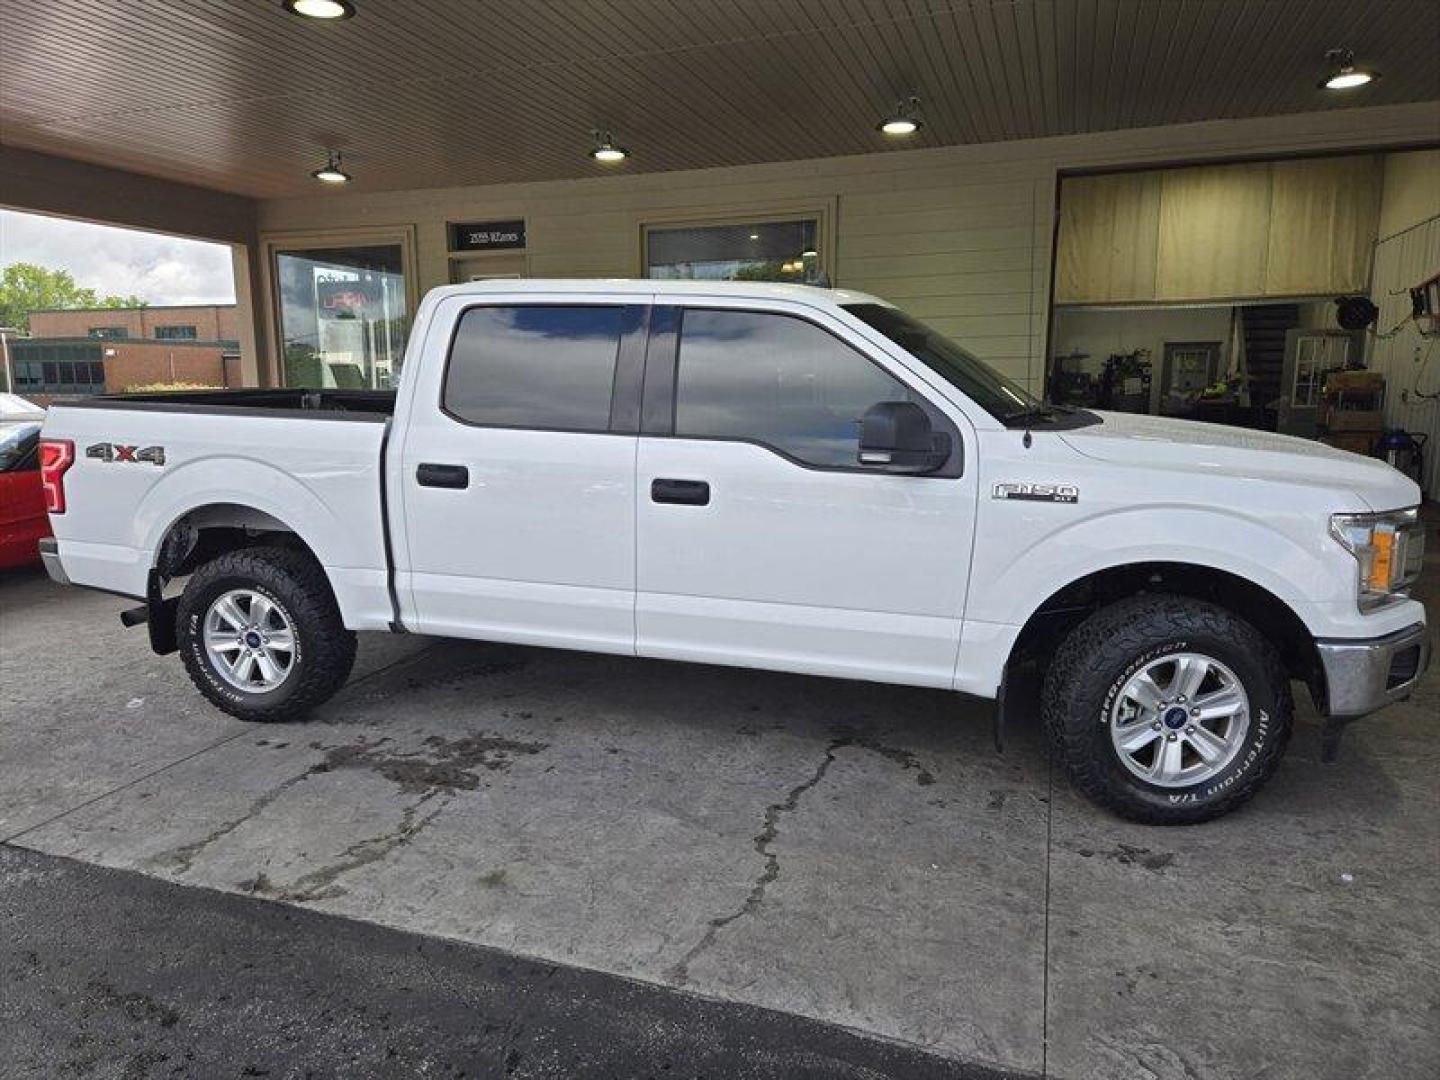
<point x="768" y="476"/>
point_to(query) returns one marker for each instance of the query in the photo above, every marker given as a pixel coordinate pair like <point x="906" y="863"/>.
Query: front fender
<point x="1011" y="580"/>
<point x="1014" y="582"/>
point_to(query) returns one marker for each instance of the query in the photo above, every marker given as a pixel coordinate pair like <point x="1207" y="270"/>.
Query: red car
<point x="23" y="520"/>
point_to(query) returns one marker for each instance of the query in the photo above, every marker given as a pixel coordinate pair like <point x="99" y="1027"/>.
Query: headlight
<point x="1389" y="547"/>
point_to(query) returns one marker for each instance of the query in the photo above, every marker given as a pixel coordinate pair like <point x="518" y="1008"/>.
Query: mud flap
<point x="1330" y="738"/>
<point x="999" y="723"/>
<point x="158" y="614"/>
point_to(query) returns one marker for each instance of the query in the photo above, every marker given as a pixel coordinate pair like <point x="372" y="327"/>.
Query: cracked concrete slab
<point x="669" y="822"/>
<point x="853" y="853"/>
<point x="87" y="707"/>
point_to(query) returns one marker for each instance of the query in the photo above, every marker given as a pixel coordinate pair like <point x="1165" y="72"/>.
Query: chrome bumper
<point x="1362" y="676"/>
<point x="50" y="556"/>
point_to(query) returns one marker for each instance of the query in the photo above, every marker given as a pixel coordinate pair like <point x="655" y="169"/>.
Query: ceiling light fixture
<point x="905" y="120"/>
<point x="332" y="173"/>
<point x="809" y="253"/>
<point x="1344" y="75"/>
<point x="605" y="150"/>
<point x="329" y="10"/>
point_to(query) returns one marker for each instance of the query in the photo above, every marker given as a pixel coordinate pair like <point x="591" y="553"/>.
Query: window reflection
<point x="343" y="316"/>
<point x="777" y="380"/>
<point x="760" y="251"/>
<point x="535" y="366"/>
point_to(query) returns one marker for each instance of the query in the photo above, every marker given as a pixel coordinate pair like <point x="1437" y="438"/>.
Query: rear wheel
<point x="261" y="634"/>
<point x="1167" y="710"/>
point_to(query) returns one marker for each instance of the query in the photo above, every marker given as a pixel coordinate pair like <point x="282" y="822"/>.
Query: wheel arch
<point x="209" y="529"/>
<point x="1071" y="603"/>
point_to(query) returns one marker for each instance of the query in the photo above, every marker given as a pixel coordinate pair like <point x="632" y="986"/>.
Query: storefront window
<point x="753" y="251"/>
<point x="343" y="316"/>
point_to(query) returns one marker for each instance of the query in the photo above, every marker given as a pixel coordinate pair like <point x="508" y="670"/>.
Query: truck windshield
<point x="993" y="392"/>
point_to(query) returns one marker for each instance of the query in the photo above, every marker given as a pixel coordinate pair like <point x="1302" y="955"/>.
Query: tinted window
<point x="535" y="367"/>
<point x="777" y="380"/>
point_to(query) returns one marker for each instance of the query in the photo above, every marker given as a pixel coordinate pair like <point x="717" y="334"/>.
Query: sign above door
<point x="487" y="235"/>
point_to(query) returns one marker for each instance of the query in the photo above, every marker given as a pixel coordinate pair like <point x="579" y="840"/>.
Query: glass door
<point x="343" y="314"/>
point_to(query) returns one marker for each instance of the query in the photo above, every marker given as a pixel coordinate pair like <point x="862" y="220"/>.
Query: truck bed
<point x="260" y="459"/>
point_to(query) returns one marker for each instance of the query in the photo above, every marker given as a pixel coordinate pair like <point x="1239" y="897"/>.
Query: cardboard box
<point x="1357" y="442"/>
<point x="1367" y="420"/>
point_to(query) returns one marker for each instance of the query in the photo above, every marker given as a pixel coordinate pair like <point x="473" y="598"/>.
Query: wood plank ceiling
<point x="241" y="96"/>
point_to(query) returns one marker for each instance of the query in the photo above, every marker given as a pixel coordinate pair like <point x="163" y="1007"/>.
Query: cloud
<point x="158" y="269"/>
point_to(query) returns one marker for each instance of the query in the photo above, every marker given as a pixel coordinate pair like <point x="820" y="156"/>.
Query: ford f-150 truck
<point x="769" y="476"/>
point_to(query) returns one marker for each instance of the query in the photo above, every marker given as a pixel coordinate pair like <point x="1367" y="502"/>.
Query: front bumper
<point x="1365" y="675"/>
<point x="50" y="556"/>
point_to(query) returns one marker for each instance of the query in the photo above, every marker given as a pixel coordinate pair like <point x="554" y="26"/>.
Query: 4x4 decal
<point x="104" y="451"/>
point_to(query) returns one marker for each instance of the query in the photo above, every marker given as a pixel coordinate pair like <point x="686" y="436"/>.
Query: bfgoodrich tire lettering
<point x="1101" y="657"/>
<point x="324" y="650"/>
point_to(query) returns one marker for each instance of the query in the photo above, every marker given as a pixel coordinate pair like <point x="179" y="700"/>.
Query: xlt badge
<point x="1055" y="493"/>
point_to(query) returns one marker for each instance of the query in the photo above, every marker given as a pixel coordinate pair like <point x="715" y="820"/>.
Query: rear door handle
<point x="442" y="476"/>
<point x="680" y="492"/>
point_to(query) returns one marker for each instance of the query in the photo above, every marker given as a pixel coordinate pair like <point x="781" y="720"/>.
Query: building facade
<point x="120" y="350"/>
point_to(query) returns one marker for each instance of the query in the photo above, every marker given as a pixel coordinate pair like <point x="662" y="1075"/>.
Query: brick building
<point x="201" y="322"/>
<point x="112" y="350"/>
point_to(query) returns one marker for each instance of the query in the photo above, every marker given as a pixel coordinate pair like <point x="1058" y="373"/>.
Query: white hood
<point x="1129" y="439"/>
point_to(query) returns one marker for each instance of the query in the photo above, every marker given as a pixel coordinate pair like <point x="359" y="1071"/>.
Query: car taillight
<point x="56" y="455"/>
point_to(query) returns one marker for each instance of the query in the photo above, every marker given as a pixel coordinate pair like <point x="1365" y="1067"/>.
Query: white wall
<point x="1407" y="254"/>
<point x="960" y="235"/>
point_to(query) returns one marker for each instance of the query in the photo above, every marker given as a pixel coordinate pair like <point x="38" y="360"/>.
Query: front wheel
<point x="261" y="634"/>
<point x="1167" y="710"/>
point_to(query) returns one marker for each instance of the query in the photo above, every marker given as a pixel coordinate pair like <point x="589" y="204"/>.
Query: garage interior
<point x="1123" y="205"/>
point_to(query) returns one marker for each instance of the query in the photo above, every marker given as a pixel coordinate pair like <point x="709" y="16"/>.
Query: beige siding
<point x="1409" y="361"/>
<point x="961" y="235"/>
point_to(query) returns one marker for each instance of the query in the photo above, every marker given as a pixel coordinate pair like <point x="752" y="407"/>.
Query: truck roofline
<point x="739" y="290"/>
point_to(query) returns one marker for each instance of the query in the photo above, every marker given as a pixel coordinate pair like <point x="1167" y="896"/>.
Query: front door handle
<point x="680" y="492"/>
<point x="442" y="476"/>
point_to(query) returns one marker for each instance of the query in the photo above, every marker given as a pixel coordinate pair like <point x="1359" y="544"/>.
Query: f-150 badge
<point x="1056" y="493"/>
<point x="104" y="451"/>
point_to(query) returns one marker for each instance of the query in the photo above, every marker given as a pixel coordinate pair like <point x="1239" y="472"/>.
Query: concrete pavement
<point x="851" y="853"/>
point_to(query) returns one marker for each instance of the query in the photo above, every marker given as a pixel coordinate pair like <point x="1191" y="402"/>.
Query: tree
<point x="26" y="287"/>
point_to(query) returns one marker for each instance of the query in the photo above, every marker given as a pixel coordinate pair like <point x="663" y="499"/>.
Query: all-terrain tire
<point x="1095" y="662"/>
<point x="296" y="584"/>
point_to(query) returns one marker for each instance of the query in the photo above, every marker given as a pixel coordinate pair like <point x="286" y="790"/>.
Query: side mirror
<point x="896" y="436"/>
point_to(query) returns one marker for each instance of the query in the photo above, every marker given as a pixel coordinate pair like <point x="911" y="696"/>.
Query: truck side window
<point x="534" y="366"/>
<point x="777" y="380"/>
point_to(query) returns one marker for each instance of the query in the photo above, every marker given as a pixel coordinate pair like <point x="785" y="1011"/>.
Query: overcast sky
<point x="121" y="262"/>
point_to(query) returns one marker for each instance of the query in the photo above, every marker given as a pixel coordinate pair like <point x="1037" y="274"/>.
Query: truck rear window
<point x="535" y="366"/>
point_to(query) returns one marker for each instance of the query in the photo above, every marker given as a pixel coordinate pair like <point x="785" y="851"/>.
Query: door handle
<point x="680" y="492"/>
<point x="442" y="476"/>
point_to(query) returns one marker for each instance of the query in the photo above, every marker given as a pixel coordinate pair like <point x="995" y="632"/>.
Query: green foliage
<point x="26" y="287"/>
